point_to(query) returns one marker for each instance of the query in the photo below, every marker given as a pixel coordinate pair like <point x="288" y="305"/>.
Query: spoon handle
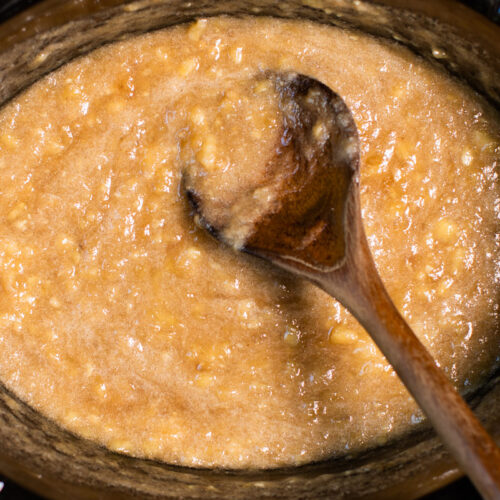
<point x="361" y="290"/>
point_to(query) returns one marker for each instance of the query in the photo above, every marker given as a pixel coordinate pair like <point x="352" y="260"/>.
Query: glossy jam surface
<point x="128" y="325"/>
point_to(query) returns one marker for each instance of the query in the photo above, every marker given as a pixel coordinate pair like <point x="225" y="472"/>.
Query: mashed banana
<point x="127" y="324"/>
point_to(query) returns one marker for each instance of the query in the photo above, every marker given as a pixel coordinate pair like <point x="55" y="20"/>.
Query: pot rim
<point x="488" y="32"/>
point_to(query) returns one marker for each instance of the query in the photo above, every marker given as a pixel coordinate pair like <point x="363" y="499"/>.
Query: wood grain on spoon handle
<point x="364" y="294"/>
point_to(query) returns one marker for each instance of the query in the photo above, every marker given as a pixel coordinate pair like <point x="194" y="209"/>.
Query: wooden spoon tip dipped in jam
<point x="319" y="146"/>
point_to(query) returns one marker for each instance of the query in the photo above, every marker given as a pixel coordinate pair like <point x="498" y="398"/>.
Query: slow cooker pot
<point x="38" y="453"/>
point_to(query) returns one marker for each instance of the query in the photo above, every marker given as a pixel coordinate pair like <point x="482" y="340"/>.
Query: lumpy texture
<point x="125" y="323"/>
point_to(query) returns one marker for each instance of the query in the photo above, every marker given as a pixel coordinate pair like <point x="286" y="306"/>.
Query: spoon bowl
<point x="312" y="177"/>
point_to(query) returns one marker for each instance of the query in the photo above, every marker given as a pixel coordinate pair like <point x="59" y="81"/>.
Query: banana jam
<point x="128" y="325"/>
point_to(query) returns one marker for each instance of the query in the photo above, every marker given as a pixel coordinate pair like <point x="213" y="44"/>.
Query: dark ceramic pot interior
<point x="57" y="464"/>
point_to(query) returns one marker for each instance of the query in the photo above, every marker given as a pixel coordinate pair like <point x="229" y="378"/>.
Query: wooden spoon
<point x="309" y="223"/>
